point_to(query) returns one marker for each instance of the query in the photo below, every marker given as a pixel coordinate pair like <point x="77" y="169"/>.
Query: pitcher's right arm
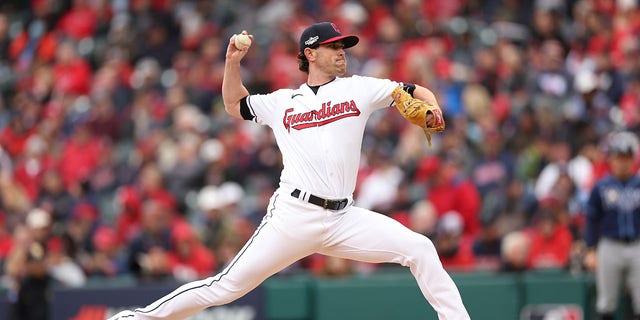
<point x="233" y="90"/>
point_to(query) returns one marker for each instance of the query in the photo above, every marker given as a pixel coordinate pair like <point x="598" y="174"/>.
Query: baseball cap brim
<point x="626" y="153"/>
<point x="348" y="40"/>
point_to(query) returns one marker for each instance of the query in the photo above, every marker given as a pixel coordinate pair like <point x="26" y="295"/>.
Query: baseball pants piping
<point x="293" y="229"/>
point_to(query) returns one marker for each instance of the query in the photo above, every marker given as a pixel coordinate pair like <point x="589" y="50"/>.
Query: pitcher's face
<point x="331" y="58"/>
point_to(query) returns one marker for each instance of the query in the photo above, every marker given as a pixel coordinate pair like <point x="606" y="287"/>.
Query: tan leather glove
<point x="416" y="111"/>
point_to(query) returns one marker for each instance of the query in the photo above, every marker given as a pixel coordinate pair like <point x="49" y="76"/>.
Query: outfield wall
<point x="389" y="295"/>
<point x="396" y="296"/>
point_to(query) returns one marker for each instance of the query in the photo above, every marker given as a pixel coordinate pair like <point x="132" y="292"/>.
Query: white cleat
<point x="124" y="315"/>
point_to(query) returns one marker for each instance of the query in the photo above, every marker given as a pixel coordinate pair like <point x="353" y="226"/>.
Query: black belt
<point x="626" y="240"/>
<point x="322" y="202"/>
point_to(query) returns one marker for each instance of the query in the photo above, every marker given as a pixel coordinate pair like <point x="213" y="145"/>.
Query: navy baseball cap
<point x="323" y="33"/>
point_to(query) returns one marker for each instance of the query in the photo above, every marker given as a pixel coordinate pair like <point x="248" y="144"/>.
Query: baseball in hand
<point x="241" y="41"/>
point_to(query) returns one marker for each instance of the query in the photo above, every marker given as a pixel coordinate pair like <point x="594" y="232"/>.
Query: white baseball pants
<point x="293" y="229"/>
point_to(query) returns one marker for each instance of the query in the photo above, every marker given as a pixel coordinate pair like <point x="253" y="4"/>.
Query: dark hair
<point x="303" y="63"/>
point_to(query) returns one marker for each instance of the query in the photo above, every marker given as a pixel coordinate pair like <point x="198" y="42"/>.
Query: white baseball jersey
<point x="320" y="134"/>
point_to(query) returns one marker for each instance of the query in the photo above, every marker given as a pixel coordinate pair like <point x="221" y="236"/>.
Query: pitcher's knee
<point x="224" y="290"/>
<point x="423" y="245"/>
<point x="421" y="251"/>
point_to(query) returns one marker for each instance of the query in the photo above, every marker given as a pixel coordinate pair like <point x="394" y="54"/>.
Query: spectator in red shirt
<point x="190" y="259"/>
<point x="79" y="22"/>
<point x="6" y="240"/>
<point x="80" y="156"/>
<point x="550" y="242"/>
<point x="71" y="71"/>
<point x="14" y="136"/>
<point x="449" y="190"/>
<point x="128" y="218"/>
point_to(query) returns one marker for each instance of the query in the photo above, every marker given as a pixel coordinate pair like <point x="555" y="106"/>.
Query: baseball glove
<point x="416" y="111"/>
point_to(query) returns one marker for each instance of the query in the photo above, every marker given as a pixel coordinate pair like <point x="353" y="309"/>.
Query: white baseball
<point x="241" y="41"/>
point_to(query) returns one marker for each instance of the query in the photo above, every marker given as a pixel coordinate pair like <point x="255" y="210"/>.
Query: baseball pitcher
<point x="319" y="128"/>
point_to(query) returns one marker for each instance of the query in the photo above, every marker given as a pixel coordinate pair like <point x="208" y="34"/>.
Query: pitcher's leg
<point x="267" y="252"/>
<point x="372" y="237"/>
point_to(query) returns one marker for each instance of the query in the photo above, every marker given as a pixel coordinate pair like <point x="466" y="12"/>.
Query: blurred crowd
<point x="117" y="158"/>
